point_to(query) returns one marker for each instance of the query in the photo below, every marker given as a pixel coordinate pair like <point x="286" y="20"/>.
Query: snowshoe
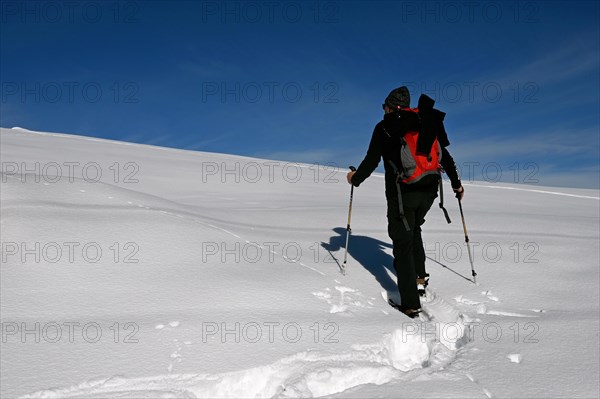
<point x="412" y="313"/>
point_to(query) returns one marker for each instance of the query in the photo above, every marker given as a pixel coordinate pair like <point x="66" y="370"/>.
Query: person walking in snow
<point x="406" y="213"/>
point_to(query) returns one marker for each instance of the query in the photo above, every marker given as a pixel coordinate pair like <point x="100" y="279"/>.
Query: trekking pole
<point x="462" y="216"/>
<point x="352" y="168"/>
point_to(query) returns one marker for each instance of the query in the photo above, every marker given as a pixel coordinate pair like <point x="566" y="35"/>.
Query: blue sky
<point x="304" y="80"/>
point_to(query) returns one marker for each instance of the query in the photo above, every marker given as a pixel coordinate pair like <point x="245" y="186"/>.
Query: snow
<point x="515" y="358"/>
<point x="139" y="271"/>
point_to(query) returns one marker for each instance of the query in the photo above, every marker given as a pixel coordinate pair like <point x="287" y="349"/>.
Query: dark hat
<point x="398" y="98"/>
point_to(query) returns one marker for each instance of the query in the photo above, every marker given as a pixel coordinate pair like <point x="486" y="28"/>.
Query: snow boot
<point x="412" y="313"/>
<point x="422" y="283"/>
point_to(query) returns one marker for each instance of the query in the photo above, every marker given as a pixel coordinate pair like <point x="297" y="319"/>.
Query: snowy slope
<point x="140" y="271"/>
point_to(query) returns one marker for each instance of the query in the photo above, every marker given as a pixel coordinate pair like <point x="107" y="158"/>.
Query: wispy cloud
<point x="532" y="144"/>
<point x="203" y="143"/>
<point x="523" y="79"/>
<point x="584" y="177"/>
<point x="557" y="158"/>
<point x="569" y="60"/>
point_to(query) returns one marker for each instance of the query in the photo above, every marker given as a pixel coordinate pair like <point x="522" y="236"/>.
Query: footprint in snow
<point x="490" y="296"/>
<point x="176" y="355"/>
<point x="482" y="309"/>
<point x="507" y="314"/>
<point x="172" y="324"/>
<point x="475" y="381"/>
<point x="322" y="295"/>
<point x="515" y="358"/>
<point x="348" y="298"/>
<point x="466" y="301"/>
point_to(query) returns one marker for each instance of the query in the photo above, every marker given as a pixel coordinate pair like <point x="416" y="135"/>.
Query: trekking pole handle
<point x="353" y="169"/>
<point x="458" y="193"/>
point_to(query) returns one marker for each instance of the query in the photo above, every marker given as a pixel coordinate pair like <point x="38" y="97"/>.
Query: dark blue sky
<point x="304" y="80"/>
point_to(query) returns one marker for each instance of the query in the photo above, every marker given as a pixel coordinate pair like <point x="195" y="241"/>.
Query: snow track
<point x="305" y="374"/>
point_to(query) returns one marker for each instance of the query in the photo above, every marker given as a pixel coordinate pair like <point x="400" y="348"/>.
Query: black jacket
<point x="385" y="143"/>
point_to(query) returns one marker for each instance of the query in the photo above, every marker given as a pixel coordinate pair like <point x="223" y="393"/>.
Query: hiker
<point x="406" y="212"/>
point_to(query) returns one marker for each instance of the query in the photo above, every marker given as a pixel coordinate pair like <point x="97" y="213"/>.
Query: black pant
<point x="409" y="254"/>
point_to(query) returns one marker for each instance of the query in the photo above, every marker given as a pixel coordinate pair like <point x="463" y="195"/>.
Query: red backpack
<point x="415" y="165"/>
